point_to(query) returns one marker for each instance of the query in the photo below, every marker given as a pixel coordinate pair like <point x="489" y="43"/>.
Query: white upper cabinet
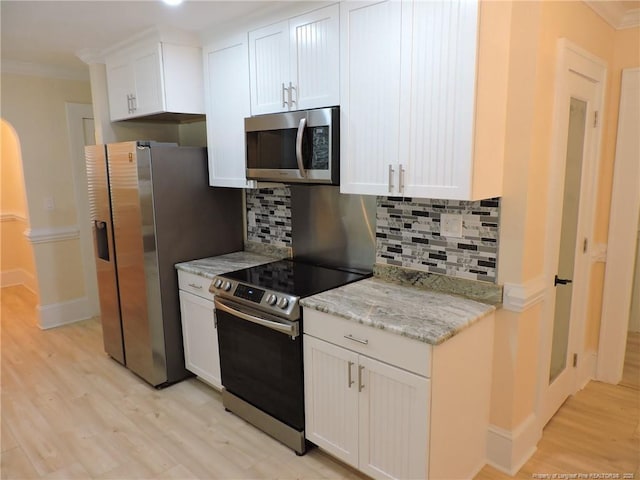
<point x="294" y="64"/>
<point x="370" y="96"/>
<point x="409" y="84"/>
<point x="227" y="105"/>
<point x="150" y="76"/>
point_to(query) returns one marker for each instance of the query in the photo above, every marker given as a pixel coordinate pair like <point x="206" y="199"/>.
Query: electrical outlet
<point x="251" y="219"/>
<point x="451" y="225"/>
<point x="49" y="204"/>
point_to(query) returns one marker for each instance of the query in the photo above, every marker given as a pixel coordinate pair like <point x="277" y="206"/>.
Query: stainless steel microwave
<point x="294" y="147"/>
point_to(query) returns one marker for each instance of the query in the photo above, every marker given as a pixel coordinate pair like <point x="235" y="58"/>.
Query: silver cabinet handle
<point x="401" y="180"/>
<point x="194" y="285"/>
<point x="291" y="100"/>
<point x="301" y="125"/>
<point x="349" y="380"/>
<point x="284" y="102"/>
<point x="354" y="339"/>
<point x="360" y="384"/>
<point x="129" y="103"/>
<point x="134" y="103"/>
<point x="289" y="329"/>
<point x="391" y="171"/>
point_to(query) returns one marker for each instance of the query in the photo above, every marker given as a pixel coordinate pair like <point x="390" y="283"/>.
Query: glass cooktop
<point x="294" y="278"/>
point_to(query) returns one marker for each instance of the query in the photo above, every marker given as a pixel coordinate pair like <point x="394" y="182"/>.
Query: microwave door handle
<point x="301" y="125"/>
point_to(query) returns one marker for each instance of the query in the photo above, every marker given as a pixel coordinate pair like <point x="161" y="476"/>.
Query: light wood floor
<point x="68" y="411"/>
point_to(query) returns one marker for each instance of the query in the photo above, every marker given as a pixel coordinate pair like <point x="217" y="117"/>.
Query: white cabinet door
<point x="227" y="105"/>
<point x="314" y="58"/>
<point x="408" y="78"/>
<point x="121" y="87"/>
<point x="394" y="416"/>
<point x="331" y="398"/>
<point x="200" y="338"/>
<point x="147" y="69"/>
<point x="269" y="68"/>
<point x="151" y="77"/>
<point x="437" y="156"/>
<point x="370" y="36"/>
<point x="183" y="79"/>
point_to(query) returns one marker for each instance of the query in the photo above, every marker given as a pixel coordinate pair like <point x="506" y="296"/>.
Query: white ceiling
<point x="51" y="33"/>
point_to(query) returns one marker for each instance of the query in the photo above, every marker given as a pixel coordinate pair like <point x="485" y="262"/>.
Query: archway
<point x="17" y="264"/>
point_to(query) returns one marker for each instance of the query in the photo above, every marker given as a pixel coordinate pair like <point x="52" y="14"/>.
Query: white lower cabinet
<point x="370" y="415"/>
<point x="199" y="332"/>
<point x="394" y="407"/>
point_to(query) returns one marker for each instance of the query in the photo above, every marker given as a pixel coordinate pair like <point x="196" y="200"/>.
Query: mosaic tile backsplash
<point x="269" y="216"/>
<point x="408" y="235"/>
<point x="408" y="232"/>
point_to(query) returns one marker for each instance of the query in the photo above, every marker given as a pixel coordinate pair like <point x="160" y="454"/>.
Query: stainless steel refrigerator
<point x="151" y="207"/>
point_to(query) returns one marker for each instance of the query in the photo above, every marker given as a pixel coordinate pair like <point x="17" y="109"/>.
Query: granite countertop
<point x="424" y="315"/>
<point x="212" y="266"/>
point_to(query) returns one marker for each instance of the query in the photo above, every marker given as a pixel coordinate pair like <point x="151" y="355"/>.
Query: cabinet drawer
<point x="195" y="284"/>
<point x="406" y="353"/>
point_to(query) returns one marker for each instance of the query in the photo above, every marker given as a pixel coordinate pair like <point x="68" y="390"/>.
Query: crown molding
<point x="631" y="19"/>
<point x="17" y="67"/>
<point x="615" y="13"/>
<point x="90" y="56"/>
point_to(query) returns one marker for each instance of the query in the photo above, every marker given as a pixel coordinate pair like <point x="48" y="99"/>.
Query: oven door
<point x="261" y="361"/>
<point x="300" y="147"/>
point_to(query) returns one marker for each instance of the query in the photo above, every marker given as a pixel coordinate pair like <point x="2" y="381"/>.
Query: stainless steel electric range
<point x="260" y="339"/>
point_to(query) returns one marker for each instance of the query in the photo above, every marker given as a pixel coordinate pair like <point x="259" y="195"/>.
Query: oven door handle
<point x="291" y="330"/>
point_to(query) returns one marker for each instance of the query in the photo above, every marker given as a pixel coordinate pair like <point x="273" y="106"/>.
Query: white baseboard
<point x="56" y="314"/>
<point x="18" y="276"/>
<point x="587" y="368"/>
<point x="508" y="451"/>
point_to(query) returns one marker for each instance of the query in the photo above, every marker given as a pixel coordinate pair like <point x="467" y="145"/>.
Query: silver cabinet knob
<point x="283" y="303"/>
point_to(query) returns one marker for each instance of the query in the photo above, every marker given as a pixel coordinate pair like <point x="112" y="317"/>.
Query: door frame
<point x="572" y="60"/>
<point x="622" y="241"/>
<point x="76" y="113"/>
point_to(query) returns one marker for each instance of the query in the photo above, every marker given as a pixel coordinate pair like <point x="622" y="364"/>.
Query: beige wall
<point x="35" y="107"/>
<point x="536" y="28"/>
<point x="16" y="255"/>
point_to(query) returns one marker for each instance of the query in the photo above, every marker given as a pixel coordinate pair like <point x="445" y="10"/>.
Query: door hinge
<point x="575" y="360"/>
<point x="596" y="119"/>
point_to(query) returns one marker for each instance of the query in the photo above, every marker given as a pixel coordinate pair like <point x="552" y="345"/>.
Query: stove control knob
<point x="272" y="299"/>
<point x="226" y="286"/>
<point x="217" y="283"/>
<point x="283" y="303"/>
